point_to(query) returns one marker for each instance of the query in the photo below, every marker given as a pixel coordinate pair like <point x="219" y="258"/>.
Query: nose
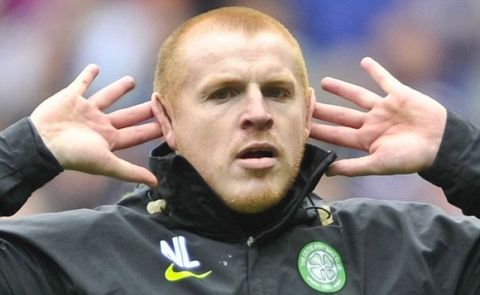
<point x="256" y="114"/>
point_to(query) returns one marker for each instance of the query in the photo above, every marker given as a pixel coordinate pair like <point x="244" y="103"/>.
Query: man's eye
<point x="223" y="94"/>
<point x="275" y="92"/>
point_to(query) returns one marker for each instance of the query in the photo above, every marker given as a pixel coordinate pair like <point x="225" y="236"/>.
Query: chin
<point x="254" y="201"/>
<point x="257" y="194"/>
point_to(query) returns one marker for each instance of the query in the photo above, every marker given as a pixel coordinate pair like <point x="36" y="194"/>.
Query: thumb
<point x="353" y="167"/>
<point x="127" y="171"/>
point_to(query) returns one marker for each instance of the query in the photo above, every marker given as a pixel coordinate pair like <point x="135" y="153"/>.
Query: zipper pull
<point x="250" y="241"/>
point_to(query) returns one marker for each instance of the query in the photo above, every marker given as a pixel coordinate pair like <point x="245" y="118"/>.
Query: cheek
<point x="294" y="138"/>
<point x="202" y="140"/>
<point x="294" y="125"/>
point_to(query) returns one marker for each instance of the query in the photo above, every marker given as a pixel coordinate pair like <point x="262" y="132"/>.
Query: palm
<point x="82" y="137"/>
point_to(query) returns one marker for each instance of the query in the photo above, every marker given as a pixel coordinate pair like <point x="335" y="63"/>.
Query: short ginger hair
<point x="170" y="71"/>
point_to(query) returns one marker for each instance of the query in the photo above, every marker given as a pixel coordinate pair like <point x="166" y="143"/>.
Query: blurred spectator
<point x="430" y="45"/>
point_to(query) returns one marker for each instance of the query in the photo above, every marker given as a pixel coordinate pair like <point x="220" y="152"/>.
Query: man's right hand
<point x="82" y="137"/>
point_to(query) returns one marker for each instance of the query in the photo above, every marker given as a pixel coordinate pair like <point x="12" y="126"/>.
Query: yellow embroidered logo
<point x="172" y="275"/>
<point x="180" y="257"/>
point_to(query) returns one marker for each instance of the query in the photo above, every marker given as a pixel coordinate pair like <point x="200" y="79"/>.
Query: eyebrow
<point x="279" y="80"/>
<point x="283" y="79"/>
<point x="219" y="81"/>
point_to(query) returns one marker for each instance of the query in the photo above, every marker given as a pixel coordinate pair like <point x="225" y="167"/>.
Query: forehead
<point x="223" y="51"/>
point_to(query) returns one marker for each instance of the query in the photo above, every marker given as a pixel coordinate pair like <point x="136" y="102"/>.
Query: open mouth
<point x="258" y="151"/>
<point x="258" y="157"/>
<point x="257" y="154"/>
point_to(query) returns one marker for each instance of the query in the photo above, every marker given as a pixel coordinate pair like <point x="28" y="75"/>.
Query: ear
<point x="162" y="116"/>
<point x="311" y="100"/>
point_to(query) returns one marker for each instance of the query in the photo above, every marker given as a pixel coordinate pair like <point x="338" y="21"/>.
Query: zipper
<point x="250" y="248"/>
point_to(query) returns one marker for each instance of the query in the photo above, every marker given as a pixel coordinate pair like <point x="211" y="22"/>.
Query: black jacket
<point x="196" y="245"/>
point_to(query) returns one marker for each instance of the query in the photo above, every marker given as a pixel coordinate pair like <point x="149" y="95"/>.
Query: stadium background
<point x="431" y="45"/>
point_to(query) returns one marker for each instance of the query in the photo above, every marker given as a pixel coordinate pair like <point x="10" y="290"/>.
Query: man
<point x="229" y="208"/>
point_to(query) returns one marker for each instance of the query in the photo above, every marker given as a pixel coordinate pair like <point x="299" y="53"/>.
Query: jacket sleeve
<point x="456" y="168"/>
<point x="25" y="270"/>
<point x="26" y="164"/>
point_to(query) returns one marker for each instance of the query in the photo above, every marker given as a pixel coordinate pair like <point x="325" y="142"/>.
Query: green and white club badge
<point x="321" y="267"/>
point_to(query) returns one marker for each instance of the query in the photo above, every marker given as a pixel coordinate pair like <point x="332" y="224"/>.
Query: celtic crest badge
<point x="321" y="267"/>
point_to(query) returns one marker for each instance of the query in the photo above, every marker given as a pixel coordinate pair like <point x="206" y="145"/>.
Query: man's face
<point x="241" y="118"/>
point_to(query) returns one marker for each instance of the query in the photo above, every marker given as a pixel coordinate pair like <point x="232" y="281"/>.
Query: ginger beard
<point x="251" y="191"/>
<point x="273" y="191"/>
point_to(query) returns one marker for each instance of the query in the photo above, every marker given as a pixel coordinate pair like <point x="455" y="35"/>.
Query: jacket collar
<point x="193" y="206"/>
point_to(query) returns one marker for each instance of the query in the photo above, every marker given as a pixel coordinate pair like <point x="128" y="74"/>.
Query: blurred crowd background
<point x="430" y="45"/>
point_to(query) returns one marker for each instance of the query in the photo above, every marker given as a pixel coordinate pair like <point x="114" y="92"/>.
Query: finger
<point x="84" y="79"/>
<point x="338" y="135"/>
<point x="127" y="171"/>
<point x="131" y="116"/>
<point x="112" y="92"/>
<point x="358" y="95"/>
<point x="380" y="75"/>
<point x="135" y="135"/>
<point x="338" y="115"/>
<point x="353" y="167"/>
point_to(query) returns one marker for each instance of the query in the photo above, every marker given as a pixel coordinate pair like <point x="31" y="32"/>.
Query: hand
<point x="82" y="137"/>
<point x="401" y="132"/>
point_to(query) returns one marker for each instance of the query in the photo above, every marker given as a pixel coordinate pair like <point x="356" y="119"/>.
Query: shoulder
<point x="128" y="214"/>
<point x="366" y="206"/>
<point x="59" y="223"/>
<point x="398" y="215"/>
